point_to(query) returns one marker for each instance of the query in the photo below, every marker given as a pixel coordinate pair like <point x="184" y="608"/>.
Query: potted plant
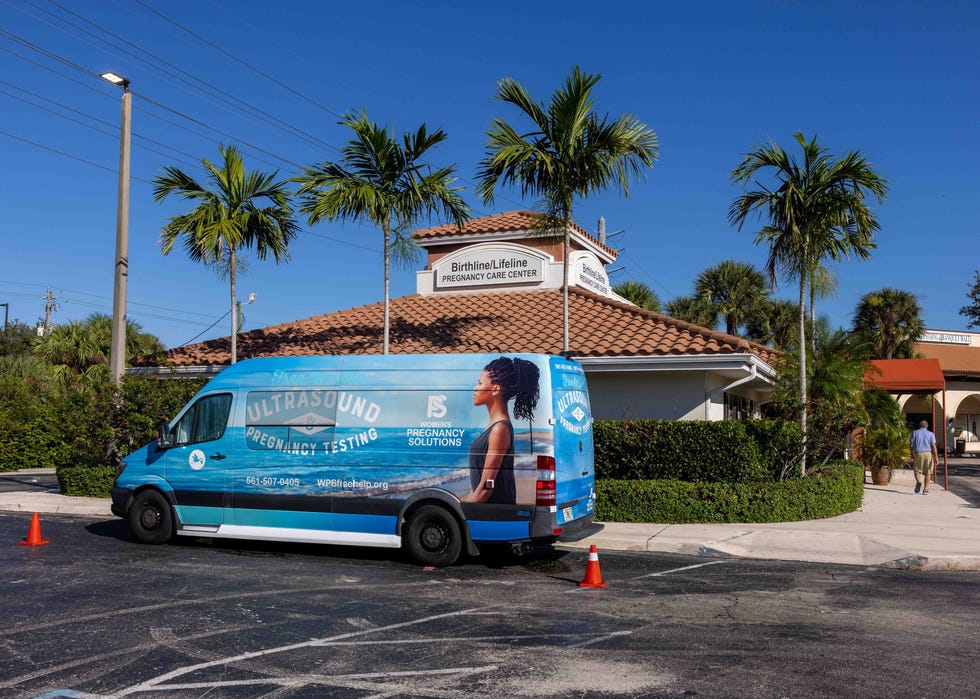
<point x="885" y="443"/>
<point x="884" y="448"/>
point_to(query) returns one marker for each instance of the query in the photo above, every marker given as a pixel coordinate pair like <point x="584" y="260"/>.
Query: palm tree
<point x="773" y="324"/>
<point x="823" y="285"/>
<point x="638" y="293"/>
<point x="569" y="152"/>
<point x="78" y="351"/>
<point x="889" y="321"/>
<point x="734" y="289"/>
<point x="385" y="182"/>
<point x="693" y="310"/>
<point x="235" y="209"/>
<point x="817" y="210"/>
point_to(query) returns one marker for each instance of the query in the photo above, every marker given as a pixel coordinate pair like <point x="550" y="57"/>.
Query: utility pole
<point x="49" y="306"/>
<point x="117" y="354"/>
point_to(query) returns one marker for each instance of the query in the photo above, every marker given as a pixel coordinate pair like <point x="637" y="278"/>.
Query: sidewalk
<point x="893" y="528"/>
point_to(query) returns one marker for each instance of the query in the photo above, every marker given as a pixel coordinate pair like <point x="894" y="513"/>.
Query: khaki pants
<point x="924" y="463"/>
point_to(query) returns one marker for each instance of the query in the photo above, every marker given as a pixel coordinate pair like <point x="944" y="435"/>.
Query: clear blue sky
<point x="895" y="80"/>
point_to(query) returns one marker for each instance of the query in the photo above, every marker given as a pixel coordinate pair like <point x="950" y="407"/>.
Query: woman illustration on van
<point x="492" y="453"/>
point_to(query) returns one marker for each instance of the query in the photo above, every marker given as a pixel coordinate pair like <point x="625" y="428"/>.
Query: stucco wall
<point x="659" y="396"/>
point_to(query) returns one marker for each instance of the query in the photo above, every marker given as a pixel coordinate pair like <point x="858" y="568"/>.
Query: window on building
<point x="738" y="407"/>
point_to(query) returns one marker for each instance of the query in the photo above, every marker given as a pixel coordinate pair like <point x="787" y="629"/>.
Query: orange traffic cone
<point x="34" y="533"/>
<point x="593" y="578"/>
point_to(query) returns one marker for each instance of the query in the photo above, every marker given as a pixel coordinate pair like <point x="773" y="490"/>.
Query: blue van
<point x="434" y="453"/>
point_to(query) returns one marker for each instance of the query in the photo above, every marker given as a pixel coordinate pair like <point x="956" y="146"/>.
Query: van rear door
<point x="574" y="456"/>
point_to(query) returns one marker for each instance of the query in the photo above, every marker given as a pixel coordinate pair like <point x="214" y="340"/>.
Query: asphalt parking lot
<point x="94" y="614"/>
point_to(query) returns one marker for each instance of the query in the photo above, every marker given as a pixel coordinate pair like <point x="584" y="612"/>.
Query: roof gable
<point x="506" y="222"/>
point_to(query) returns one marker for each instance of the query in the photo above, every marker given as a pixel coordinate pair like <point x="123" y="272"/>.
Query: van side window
<point x="204" y="421"/>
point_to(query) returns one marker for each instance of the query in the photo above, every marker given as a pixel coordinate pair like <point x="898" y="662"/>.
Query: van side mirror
<point x="165" y="438"/>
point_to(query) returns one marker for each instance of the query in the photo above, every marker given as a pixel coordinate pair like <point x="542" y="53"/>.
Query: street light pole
<point x="117" y="355"/>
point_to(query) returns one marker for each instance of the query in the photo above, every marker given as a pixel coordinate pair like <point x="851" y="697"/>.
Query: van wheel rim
<point x="150" y="518"/>
<point x="433" y="537"/>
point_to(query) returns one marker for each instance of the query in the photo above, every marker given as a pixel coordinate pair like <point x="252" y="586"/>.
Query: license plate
<point x="567" y="514"/>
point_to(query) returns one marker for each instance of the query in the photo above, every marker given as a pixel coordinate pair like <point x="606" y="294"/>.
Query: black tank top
<point x="504" y="488"/>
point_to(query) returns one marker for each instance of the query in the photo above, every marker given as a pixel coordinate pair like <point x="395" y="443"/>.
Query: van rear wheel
<point x="150" y="518"/>
<point x="433" y="536"/>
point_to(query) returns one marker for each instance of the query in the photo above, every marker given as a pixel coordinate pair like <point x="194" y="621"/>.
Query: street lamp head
<point x="115" y="79"/>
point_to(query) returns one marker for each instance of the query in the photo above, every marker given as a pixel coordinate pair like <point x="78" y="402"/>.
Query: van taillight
<point x="545" y="486"/>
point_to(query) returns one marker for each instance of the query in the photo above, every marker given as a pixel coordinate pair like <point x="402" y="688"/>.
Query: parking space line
<point x="153" y="683"/>
<point x="677" y="570"/>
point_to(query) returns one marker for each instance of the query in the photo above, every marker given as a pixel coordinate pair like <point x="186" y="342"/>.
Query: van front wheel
<point x="150" y="518"/>
<point x="433" y="537"/>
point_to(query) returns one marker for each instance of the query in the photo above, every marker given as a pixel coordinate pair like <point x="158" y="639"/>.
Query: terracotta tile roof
<point x="514" y="321"/>
<point x="905" y="375"/>
<point x="956" y="360"/>
<point x="498" y="223"/>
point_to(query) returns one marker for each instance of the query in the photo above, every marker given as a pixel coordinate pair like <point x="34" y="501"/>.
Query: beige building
<point x="495" y="286"/>
<point x="958" y="353"/>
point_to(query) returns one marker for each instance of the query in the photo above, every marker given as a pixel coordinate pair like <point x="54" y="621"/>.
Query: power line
<point x="218" y="131"/>
<point x="343" y="242"/>
<point x="111" y="134"/>
<point x="52" y="70"/>
<point x="245" y="147"/>
<point x="67" y="155"/>
<point x="62" y="290"/>
<point x="142" y="97"/>
<point x="53" y="56"/>
<point x="227" y="313"/>
<point x="195" y="80"/>
<point x="239" y="60"/>
<point x="232" y="101"/>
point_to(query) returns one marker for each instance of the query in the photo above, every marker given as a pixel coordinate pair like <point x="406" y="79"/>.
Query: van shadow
<point x="111" y="529"/>
<point x="546" y="560"/>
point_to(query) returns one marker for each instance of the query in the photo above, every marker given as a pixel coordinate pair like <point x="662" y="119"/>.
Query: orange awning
<point x="905" y="375"/>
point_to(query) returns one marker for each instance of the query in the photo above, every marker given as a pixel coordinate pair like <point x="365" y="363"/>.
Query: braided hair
<point x="518" y="378"/>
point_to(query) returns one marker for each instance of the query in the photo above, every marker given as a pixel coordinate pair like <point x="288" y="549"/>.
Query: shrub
<point x="826" y="492"/>
<point x="87" y="481"/>
<point x="677" y="450"/>
<point x="26" y="421"/>
<point x="95" y="430"/>
<point x="780" y="445"/>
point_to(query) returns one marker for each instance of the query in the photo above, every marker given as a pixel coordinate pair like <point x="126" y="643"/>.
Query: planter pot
<point x="880" y="475"/>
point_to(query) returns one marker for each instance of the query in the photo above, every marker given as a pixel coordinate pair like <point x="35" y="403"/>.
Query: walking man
<point x="922" y="444"/>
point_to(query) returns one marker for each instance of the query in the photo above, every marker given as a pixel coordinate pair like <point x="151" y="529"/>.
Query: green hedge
<point x="89" y="425"/>
<point x="729" y="451"/>
<point x="826" y="492"/>
<point x="87" y="481"/>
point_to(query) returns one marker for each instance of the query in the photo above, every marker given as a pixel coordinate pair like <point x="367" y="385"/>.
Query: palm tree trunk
<point x="387" y="234"/>
<point x="813" y="316"/>
<point x="234" y="317"/>
<point x="803" y="397"/>
<point x="564" y="289"/>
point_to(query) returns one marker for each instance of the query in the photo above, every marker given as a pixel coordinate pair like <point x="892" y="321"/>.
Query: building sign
<point x="589" y="273"/>
<point x="489" y="266"/>
<point x="946" y="338"/>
